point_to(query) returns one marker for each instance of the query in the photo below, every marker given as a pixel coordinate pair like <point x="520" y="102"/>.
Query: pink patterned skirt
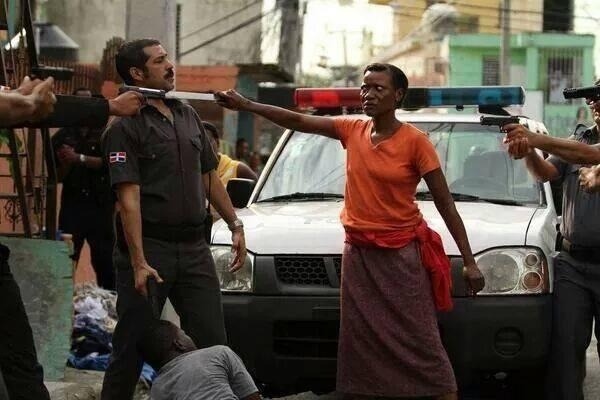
<point x="389" y="337"/>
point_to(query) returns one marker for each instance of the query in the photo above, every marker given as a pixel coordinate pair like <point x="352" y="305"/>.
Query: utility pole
<point x="152" y="19"/>
<point x="289" y="39"/>
<point x="505" y="44"/>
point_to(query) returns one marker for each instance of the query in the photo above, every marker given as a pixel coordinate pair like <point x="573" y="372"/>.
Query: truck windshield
<point x="472" y="157"/>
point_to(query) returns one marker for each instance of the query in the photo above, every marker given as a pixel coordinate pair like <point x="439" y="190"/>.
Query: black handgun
<point x="588" y="92"/>
<point x="152" y="287"/>
<point x="147" y="92"/>
<point x="58" y="73"/>
<point x="499" y="121"/>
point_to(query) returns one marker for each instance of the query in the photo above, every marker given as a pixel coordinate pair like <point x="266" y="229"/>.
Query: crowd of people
<point x="158" y="164"/>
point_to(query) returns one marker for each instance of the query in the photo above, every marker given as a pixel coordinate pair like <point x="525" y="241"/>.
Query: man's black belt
<point x="582" y="253"/>
<point x="172" y="233"/>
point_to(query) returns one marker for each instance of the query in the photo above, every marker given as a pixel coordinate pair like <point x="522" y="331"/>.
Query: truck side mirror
<point x="239" y="191"/>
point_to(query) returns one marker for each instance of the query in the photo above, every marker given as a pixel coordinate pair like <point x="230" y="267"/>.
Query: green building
<point x="546" y="62"/>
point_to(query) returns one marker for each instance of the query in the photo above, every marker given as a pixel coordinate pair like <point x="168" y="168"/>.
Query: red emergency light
<point x="327" y="97"/>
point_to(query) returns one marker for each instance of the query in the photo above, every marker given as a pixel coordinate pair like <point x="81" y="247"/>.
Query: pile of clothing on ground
<point x="93" y="326"/>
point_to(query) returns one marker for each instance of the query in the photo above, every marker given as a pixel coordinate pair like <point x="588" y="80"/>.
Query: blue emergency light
<point x="472" y="96"/>
<point x="417" y="97"/>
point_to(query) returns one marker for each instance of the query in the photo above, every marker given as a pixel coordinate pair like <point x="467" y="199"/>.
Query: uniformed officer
<point x="161" y="165"/>
<point x="34" y="104"/>
<point x="576" y="297"/>
<point x="86" y="199"/>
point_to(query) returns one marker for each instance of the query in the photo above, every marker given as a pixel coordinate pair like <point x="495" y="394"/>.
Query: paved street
<point x="591" y="387"/>
<point x="85" y="385"/>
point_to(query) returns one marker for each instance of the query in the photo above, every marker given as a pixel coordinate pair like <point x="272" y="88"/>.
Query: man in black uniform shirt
<point x="34" y="104"/>
<point x="86" y="200"/>
<point x="161" y="165"/>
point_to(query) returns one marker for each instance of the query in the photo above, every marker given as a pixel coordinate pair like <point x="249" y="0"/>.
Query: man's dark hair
<point x="81" y="89"/>
<point x="131" y="54"/>
<point x="399" y="79"/>
<point x="240" y="141"/>
<point x="211" y="129"/>
<point x="156" y="343"/>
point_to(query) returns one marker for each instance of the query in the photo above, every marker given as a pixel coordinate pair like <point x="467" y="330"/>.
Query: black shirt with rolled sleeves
<point x="580" y="209"/>
<point x="82" y="182"/>
<point x="166" y="159"/>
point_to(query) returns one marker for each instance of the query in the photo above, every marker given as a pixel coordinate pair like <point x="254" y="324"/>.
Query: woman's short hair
<point x="399" y="79"/>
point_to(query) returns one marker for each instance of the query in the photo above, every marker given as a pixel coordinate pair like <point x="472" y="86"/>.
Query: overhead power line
<point x="228" y="32"/>
<point x="223" y="18"/>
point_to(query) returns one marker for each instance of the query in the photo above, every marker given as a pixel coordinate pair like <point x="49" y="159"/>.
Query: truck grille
<point x="337" y="263"/>
<point x="301" y="271"/>
<point x="306" y="339"/>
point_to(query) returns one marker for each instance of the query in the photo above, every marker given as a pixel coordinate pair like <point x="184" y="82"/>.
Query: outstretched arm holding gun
<point x="499" y="121"/>
<point x="33" y="104"/>
<point x="519" y="148"/>
<point x="521" y="140"/>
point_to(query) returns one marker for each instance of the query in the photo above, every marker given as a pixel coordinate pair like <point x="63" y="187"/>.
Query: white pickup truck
<point x="282" y="309"/>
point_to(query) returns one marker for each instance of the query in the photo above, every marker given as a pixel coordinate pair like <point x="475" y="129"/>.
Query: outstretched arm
<point x="570" y="151"/>
<point x="288" y="119"/>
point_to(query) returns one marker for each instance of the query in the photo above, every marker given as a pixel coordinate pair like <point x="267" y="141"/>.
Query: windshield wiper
<point x="471" y="197"/>
<point x="303" y="196"/>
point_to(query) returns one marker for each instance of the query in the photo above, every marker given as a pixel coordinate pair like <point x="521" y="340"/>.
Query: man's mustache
<point x="170" y="74"/>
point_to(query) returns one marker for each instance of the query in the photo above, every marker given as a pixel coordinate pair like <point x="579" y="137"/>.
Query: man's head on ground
<point x="144" y="62"/>
<point x="383" y="89"/>
<point x="82" y="91"/>
<point x="213" y="135"/>
<point x="242" y="149"/>
<point x="162" y="342"/>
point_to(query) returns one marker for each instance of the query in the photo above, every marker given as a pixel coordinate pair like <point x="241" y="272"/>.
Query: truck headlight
<point x="240" y="281"/>
<point x="513" y="271"/>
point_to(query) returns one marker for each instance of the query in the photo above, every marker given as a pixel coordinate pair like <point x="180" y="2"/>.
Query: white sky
<point x="325" y="24"/>
<point x="590" y="23"/>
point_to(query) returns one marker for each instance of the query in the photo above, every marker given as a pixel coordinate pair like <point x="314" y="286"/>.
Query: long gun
<point x="161" y="94"/>
<point x="588" y="92"/>
<point x="499" y="121"/>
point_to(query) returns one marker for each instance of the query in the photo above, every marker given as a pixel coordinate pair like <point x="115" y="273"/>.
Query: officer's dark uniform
<point x="87" y="203"/>
<point x="167" y="161"/>
<point x="22" y="374"/>
<point x="576" y="298"/>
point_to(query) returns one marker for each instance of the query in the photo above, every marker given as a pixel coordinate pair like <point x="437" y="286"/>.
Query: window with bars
<point x="560" y="68"/>
<point x="491" y="71"/>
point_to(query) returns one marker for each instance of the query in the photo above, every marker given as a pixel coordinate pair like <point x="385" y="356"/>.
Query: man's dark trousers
<point x="89" y="221"/>
<point x="576" y="304"/>
<point x="23" y="375"/>
<point x="190" y="282"/>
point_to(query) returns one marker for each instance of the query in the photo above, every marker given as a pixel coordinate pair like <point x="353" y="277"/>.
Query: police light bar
<point x="327" y="97"/>
<point x="416" y="97"/>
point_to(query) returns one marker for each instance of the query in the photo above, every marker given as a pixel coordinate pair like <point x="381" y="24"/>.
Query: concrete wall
<point x="91" y="23"/>
<point x="242" y="46"/>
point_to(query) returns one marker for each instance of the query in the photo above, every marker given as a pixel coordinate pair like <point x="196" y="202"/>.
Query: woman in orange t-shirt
<point x="394" y="269"/>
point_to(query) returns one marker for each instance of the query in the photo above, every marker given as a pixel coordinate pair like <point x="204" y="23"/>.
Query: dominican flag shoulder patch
<point x="117" y="157"/>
